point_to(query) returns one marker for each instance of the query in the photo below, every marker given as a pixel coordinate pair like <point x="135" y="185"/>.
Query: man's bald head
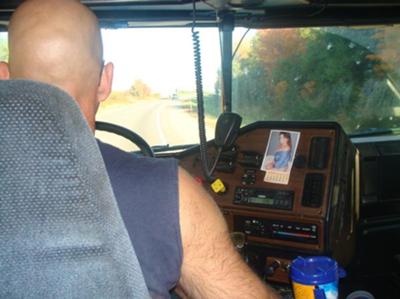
<point x="59" y="42"/>
<point x="55" y="41"/>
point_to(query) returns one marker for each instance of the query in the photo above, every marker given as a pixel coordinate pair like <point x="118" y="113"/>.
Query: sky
<point x="162" y="58"/>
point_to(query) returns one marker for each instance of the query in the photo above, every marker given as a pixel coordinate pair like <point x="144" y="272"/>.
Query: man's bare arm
<point x="211" y="267"/>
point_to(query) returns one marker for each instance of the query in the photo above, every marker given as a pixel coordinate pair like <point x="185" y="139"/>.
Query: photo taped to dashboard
<point x="279" y="156"/>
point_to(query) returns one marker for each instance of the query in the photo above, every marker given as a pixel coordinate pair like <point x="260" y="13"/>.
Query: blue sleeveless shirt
<point x="281" y="159"/>
<point x="146" y="190"/>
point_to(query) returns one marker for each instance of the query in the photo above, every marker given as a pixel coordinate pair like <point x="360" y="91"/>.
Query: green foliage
<point x="185" y="94"/>
<point x="326" y="77"/>
<point x="212" y="106"/>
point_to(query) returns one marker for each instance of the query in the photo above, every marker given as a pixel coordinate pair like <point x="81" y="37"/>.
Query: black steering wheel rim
<point x="128" y="134"/>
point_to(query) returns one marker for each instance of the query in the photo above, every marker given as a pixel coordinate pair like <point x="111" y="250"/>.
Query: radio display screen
<point x="264" y="198"/>
<point x="261" y="200"/>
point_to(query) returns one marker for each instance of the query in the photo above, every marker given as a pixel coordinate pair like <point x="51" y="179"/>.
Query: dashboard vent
<point x="319" y="152"/>
<point x="313" y="190"/>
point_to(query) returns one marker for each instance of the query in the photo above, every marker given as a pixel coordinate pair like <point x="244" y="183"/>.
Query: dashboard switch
<point x="225" y="166"/>
<point x="249" y="177"/>
<point x="250" y="159"/>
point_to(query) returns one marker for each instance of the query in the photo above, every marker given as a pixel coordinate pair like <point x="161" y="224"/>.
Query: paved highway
<point x="159" y="122"/>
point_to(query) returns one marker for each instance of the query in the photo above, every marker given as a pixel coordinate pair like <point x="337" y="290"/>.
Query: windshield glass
<point x="3" y="47"/>
<point x="346" y="74"/>
<point x="154" y="85"/>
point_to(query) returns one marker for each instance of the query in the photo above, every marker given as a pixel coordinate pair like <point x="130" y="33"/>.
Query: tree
<point x="3" y="49"/>
<point x="249" y="89"/>
<point x="271" y="45"/>
<point x="140" y="89"/>
<point x="331" y="80"/>
<point x="318" y="74"/>
<point x="387" y="51"/>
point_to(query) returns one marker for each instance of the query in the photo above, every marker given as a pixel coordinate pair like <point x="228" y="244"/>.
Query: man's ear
<point x="106" y="80"/>
<point x="4" y="71"/>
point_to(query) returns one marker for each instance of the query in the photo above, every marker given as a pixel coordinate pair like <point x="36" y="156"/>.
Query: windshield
<point x="348" y="75"/>
<point x="154" y="85"/>
<point x="343" y="74"/>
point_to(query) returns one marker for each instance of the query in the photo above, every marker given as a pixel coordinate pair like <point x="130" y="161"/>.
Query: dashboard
<point x="291" y="188"/>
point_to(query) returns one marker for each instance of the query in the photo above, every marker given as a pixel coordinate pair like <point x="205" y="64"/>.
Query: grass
<point x="212" y="106"/>
<point x="118" y="98"/>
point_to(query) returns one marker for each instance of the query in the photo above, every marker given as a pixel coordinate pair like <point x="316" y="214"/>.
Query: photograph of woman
<point x="279" y="155"/>
<point x="283" y="153"/>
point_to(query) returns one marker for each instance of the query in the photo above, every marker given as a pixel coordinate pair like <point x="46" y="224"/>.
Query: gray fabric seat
<point x="61" y="233"/>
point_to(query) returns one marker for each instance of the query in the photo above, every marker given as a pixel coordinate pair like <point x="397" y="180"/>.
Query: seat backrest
<point x="61" y="233"/>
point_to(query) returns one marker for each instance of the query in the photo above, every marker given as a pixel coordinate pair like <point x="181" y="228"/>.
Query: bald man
<point x="179" y="234"/>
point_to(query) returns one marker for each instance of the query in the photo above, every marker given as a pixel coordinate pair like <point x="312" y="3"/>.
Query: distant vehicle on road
<point x="174" y="96"/>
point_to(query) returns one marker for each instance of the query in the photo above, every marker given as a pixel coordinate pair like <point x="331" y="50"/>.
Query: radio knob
<point x="238" y="239"/>
<point x="270" y="269"/>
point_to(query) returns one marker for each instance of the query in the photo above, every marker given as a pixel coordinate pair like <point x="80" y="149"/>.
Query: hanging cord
<point x="200" y="103"/>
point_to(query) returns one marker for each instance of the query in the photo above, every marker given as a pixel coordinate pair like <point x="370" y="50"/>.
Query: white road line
<point x="161" y="135"/>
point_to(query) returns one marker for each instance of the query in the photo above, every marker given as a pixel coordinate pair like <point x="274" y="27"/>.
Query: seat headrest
<point x="61" y="233"/>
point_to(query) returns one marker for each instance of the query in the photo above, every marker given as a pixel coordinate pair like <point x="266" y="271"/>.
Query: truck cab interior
<point x="286" y="111"/>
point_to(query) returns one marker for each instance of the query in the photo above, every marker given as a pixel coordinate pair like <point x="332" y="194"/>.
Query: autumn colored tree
<point x="387" y="52"/>
<point x="271" y="46"/>
<point x="140" y="89"/>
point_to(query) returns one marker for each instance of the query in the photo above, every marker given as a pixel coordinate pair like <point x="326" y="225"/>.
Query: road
<point x="159" y="122"/>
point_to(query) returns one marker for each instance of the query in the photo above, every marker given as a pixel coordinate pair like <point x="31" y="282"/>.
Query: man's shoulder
<point x="114" y="155"/>
<point x="126" y="165"/>
<point x="110" y="151"/>
<point x="146" y="190"/>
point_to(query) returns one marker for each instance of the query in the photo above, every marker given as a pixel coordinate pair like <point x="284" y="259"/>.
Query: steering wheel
<point x="128" y="134"/>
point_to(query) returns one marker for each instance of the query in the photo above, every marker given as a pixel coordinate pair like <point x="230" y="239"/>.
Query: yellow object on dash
<point x="218" y="186"/>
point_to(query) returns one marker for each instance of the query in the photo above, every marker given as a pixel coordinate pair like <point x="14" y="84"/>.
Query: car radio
<point x="277" y="229"/>
<point x="267" y="198"/>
